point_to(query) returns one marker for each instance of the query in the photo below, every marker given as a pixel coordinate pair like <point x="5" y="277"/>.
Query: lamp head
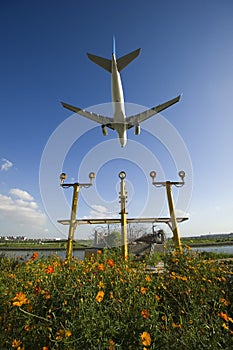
<point x="91" y="176"/>
<point x="63" y="176"/>
<point x="122" y="175"/>
<point x="181" y="174"/>
<point x="153" y="175"/>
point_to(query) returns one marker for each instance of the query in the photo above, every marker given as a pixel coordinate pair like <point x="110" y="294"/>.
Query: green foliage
<point x="107" y="303"/>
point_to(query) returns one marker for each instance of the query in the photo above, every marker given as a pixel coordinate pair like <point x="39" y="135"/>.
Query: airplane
<point x="120" y="122"/>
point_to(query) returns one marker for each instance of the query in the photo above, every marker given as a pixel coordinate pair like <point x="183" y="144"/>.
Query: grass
<point x="106" y="303"/>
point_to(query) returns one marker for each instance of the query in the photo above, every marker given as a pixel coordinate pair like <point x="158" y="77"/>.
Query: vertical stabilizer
<point x="114" y="46"/>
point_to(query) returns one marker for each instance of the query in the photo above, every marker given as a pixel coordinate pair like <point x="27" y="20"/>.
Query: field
<point x="107" y="303"/>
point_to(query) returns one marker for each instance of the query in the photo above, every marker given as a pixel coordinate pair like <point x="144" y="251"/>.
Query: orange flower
<point x="50" y="269"/>
<point x="147" y="278"/>
<point x="100" y="267"/>
<point x="37" y="290"/>
<point x="34" y="256"/>
<point x="99" y="296"/>
<point x="16" y="343"/>
<point x="224" y="301"/>
<point x="111" y="263"/>
<point x="157" y="297"/>
<point x="145" y="339"/>
<point x="145" y="313"/>
<point x="46" y="294"/>
<point x="27" y="328"/>
<point x="20" y="299"/>
<point x="111" y="345"/>
<point x="176" y="325"/>
<point x="224" y="316"/>
<point x="143" y="290"/>
<point x="45" y="348"/>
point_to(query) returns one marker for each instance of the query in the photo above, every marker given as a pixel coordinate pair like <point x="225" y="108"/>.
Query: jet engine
<point x="137" y="129"/>
<point x="104" y="130"/>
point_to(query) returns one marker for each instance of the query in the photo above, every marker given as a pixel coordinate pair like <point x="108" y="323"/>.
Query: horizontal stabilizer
<point x="89" y="115"/>
<point x="102" y="62"/>
<point x="123" y="61"/>
<point x="138" y="118"/>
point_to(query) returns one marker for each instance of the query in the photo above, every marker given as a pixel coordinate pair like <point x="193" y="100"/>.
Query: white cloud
<point x="100" y="212"/>
<point x="7" y="164"/>
<point x="21" y="194"/>
<point x="22" y="214"/>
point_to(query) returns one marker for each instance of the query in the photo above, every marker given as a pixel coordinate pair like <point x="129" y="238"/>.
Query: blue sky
<point x="187" y="48"/>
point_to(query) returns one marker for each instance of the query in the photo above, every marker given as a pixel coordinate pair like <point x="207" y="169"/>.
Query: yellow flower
<point x="101" y="284"/>
<point x="60" y="334"/>
<point x="99" y="296"/>
<point x="68" y="334"/>
<point x="20" y="299"/>
<point x="225" y="326"/>
<point x="145" y="339"/>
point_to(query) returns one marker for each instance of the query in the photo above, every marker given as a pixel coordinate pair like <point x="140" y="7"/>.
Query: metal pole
<point x="69" y="249"/>
<point x="176" y="235"/>
<point x="123" y="221"/>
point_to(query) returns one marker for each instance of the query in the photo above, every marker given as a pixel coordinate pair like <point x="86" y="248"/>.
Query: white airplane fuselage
<point x="118" y="104"/>
<point x="119" y="122"/>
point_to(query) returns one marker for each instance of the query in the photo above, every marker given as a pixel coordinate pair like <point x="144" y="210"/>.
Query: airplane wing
<point x="138" y="118"/>
<point x="90" y="115"/>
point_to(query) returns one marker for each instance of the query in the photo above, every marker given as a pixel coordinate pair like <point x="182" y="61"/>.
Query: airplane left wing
<point x="140" y="117"/>
<point x="90" y="115"/>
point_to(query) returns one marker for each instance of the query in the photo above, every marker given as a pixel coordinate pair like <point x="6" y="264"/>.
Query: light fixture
<point x="153" y="175"/>
<point x="122" y="175"/>
<point x="181" y="174"/>
<point x="63" y="176"/>
<point x="91" y="176"/>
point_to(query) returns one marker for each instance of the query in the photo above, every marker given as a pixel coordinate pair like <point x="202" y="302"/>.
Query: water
<point x="79" y="253"/>
<point x="226" y="249"/>
<point x="26" y="254"/>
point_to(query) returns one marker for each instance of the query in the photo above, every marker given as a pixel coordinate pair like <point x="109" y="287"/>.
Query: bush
<point x="108" y="303"/>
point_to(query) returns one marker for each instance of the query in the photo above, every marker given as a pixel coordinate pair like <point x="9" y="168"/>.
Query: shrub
<point x="108" y="303"/>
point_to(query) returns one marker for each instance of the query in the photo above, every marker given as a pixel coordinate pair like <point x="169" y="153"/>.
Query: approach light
<point x="122" y="175"/>
<point x="91" y="176"/>
<point x="63" y="176"/>
<point x="153" y="175"/>
<point x="181" y="174"/>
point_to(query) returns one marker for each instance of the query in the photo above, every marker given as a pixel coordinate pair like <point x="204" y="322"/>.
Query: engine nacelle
<point x="104" y="130"/>
<point x="137" y="129"/>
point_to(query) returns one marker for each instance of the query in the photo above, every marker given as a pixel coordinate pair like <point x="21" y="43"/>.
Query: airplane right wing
<point x="90" y="115"/>
<point x="140" y="117"/>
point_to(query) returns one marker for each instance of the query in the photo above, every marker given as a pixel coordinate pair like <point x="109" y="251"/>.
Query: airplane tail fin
<point x="123" y="61"/>
<point x="102" y="62"/>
